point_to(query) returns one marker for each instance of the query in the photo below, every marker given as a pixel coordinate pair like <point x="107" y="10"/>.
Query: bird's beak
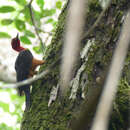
<point x="17" y="36"/>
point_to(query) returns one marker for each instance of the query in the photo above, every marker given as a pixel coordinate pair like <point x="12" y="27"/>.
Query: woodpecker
<point x="25" y="66"/>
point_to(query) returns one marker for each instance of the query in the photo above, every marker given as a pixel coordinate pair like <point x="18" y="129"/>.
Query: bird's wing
<point x="22" y="66"/>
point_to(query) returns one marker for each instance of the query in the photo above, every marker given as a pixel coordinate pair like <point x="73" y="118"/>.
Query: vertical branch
<point x="75" y="23"/>
<point x="110" y="88"/>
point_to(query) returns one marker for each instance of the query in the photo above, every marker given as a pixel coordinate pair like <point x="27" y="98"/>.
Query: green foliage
<point x="25" y="39"/>
<point x="26" y="14"/>
<point x="40" y="3"/>
<point x="3" y="126"/>
<point x="4" y="35"/>
<point x="29" y="34"/>
<point x="5" y="106"/>
<point x="48" y="12"/>
<point x="6" y="9"/>
<point x="6" y="21"/>
<point x="58" y="4"/>
<point x="21" y="2"/>
<point x="20" y="24"/>
<point x="49" y="21"/>
<point x="37" y="49"/>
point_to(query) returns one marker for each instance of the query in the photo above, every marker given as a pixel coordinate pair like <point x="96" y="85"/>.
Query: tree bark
<point x="90" y="73"/>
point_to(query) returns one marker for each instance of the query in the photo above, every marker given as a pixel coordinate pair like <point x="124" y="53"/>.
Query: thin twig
<point x="35" y="27"/>
<point x="110" y="88"/>
<point x="43" y="31"/>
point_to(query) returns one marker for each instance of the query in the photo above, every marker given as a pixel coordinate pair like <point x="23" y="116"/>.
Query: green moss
<point x="94" y="6"/>
<point x="119" y="118"/>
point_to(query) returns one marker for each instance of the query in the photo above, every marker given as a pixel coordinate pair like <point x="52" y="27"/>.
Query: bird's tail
<point x="28" y="98"/>
<point x="20" y="91"/>
<point x="25" y="90"/>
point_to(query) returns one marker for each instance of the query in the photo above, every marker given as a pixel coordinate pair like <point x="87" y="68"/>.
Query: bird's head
<point x="15" y="43"/>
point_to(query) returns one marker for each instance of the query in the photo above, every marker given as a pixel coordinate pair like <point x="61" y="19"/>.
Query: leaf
<point x="6" y="21"/>
<point x="20" y="25"/>
<point x="40" y="3"/>
<point x="4" y="126"/>
<point x="26" y="14"/>
<point x="21" y="2"/>
<point x="37" y="49"/>
<point x="29" y="33"/>
<point x="5" y="106"/>
<point x="48" y="12"/>
<point x="6" y="9"/>
<point x="54" y="24"/>
<point x="58" y="4"/>
<point x="37" y="15"/>
<point x="25" y="40"/>
<point x="49" y="21"/>
<point x="4" y="35"/>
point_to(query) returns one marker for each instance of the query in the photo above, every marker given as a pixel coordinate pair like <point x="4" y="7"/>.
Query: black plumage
<point x="22" y="66"/>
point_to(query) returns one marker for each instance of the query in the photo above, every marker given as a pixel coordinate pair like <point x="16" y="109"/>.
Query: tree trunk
<point x="88" y="79"/>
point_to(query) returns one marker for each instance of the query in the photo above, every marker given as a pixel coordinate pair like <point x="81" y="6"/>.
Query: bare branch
<point x="31" y="80"/>
<point x="110" y="88"/>
<point x="28" y="81"/>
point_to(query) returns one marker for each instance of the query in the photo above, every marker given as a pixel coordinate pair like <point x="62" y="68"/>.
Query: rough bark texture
<point x="62" y="114"/>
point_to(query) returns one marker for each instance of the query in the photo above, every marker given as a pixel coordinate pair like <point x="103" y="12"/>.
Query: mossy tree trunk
<point x="88" y="78"/>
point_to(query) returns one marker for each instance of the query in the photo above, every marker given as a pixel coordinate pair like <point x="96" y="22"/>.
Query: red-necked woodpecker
<point x="25" y="66"/>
